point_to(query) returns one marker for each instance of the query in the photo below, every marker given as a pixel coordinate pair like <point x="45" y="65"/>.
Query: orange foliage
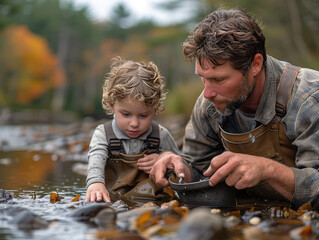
<point x="54" y="197"/>
<point x="28" y="64"/>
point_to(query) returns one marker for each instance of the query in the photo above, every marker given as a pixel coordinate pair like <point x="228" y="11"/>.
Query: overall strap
<point x="284" y="89"/>
<point x="153" y="140"/>
<point x="114" y="144"/>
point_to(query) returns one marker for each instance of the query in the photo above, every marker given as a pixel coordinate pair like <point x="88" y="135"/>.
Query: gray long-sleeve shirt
<point x="98" y="153"/>
<point x="201" y="142"/>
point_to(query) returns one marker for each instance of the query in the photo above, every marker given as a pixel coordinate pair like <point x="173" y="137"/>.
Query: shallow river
<point x="36" y="161"/>
<point x="30" y="177"/>
<point x="33" y="164"/>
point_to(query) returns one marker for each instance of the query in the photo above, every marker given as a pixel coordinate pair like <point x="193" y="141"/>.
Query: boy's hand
<point x="97" y="192"/>
<point x="146" y="163"/>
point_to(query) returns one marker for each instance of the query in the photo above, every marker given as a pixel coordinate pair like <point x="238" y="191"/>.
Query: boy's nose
<point x="134" y="122"/>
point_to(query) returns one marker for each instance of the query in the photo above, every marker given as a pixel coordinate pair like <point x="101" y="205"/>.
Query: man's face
<point x="226" y="87"/>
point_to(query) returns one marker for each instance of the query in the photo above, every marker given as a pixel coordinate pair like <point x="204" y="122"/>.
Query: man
<point x="246" y="129"/>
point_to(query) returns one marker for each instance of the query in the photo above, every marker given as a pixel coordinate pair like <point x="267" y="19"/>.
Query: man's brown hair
<point x="226" y="35"/>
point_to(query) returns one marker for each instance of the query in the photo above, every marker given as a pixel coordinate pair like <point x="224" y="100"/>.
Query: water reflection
<point x="30" y="176"/>
<point x="26" y="171"/>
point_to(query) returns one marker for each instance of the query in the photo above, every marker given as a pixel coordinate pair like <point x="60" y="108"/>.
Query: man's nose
<point x="209" y="90"/>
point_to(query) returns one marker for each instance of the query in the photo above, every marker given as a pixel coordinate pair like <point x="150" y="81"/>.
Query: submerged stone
<point x="88" y="211"/>
<point x="26" y="220"/>
<point x="201" y="224"/>
<point x="105" y="219"/>
<point x="5" y="196"/>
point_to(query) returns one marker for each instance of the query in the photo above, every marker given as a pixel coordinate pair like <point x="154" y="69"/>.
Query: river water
<point x="36" y="161"/>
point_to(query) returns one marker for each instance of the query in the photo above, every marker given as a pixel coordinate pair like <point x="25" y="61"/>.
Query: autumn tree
<point x="28" y="67"/>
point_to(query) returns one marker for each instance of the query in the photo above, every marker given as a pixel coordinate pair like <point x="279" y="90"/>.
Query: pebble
<point x="215" y="211"/>
<point x="201" y="224"/>
<point x="231" y="221"/>
<point x="254" y="220"/>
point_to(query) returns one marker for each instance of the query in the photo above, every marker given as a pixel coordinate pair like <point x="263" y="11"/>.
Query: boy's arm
<point x="97" y="192"/>
<point x="97" y="157"/>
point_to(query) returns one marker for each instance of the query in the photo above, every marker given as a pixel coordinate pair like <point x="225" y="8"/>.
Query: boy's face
<point x="133" y="118"/>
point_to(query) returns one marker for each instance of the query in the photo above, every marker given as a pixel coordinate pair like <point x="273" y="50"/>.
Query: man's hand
<point x="146" y="163"/>
<point x="240" y="170"/>
<point x="244" y="171"/>
<point x="97" y="192"/>
<point x="165" y="161"/>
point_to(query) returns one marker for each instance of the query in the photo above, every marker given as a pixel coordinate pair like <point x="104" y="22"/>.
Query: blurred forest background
<point x="53" y="56"/>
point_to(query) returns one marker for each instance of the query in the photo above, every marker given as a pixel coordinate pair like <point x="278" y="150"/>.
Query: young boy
<point x="123" y="151"/>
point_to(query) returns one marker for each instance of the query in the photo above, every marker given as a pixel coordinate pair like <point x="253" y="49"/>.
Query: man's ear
<point x="257" y="64"/>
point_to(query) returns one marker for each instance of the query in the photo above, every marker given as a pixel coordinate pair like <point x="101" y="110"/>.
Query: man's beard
<point x="231" y="106"/>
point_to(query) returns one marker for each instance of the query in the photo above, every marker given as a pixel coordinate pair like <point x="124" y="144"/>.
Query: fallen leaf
<point x="76" y="199"/>
<point x="145" y="221"/>
<point x="54" y="197"/>
<point x="173" y="203"/>
<point x="306" y="232"/>
<point x="182" y="211"/>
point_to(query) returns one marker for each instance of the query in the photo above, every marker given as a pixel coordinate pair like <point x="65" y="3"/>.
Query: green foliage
<point x="182" y="97"/>
<point x="8" y="9"/>
<point x="83" y="48"/>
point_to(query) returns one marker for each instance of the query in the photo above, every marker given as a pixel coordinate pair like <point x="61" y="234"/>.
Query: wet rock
<point x="88" y="211"/>
<point x="26" y="220"/>
<point x="231" y="221"/>
<point x="120" y="206"/>
<point x="201" y="224"/>
<point x="149" y="204"/>
<point x="127" y="220"/>
<point x="5" y="196"/>
<point x="267" y="225"/>
<point x="300" y="233"/>
<point x="105" y="219"/>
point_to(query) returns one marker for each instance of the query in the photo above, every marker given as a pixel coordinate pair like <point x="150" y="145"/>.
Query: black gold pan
<point x="199" y="193"/>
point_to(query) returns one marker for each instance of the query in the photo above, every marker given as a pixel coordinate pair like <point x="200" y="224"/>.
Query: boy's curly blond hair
<point x="137" y="80"/>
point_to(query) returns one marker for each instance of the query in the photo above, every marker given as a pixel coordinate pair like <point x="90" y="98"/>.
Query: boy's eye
<point x="144" y="116"/>
<point x="126" y="114"/>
